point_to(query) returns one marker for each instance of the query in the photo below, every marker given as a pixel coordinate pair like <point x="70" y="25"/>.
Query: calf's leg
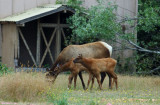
<point x="98" y="80"/>
<point x="70" y="80"/>
<point x="75" y="79"/>
<point x="90" y="77"/>
<point x="92" y="82"/>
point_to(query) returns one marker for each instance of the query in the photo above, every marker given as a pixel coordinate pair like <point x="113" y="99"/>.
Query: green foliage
<point x="4" y="69"/>
<point x="98" y="22"/>
<point x="148" y="34"/>
<point x="149" y="12"/>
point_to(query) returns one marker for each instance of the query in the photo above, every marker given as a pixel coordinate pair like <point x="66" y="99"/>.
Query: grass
<point x="33" y="88"/>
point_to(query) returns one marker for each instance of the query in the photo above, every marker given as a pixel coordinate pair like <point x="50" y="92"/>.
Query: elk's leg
<point x="90" y="77"/>
<point x="92" y="82"/>
<point x="99" y="82"/>
<point x="81" y="78"/>
<point x="114" y="80"/>
<point x="75" y="79"/>
<point x="103" y="75"/>
<point x="70" y="80"/>
<point x="110" y="80"/>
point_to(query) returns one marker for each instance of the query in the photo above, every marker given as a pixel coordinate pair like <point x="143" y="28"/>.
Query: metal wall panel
<point x="40" y="2"/>
<point x="28" y="4"/>
<point x="89" y="3"/>
<point x="5" y="8"/>
<point x="18" y="6"/>
<point x="52" y="1"/>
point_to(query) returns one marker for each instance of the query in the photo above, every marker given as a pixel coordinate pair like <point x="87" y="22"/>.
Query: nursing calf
<point x="96" y="66"/>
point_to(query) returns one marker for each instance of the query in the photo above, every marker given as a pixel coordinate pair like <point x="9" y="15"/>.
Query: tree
<point x="98" y="22"/>
<point x="148" y="35"/>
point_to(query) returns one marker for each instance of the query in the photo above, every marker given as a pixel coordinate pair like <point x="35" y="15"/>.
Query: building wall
<point x="10" y="7"/>
<point x="125" y="7"/>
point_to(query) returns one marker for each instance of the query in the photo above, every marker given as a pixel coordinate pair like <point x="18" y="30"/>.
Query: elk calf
<point x="73" y="68"/>
<point x="96" y="66"/>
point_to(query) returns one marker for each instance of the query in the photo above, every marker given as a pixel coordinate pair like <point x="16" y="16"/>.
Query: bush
<point x="4" y="69"/>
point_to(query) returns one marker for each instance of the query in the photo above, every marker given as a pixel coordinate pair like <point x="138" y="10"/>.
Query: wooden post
<point x="38" y="43"/>
<point x="58" y="38"/>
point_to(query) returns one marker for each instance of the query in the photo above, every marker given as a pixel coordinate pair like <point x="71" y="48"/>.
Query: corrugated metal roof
<point x="35" y="13"/>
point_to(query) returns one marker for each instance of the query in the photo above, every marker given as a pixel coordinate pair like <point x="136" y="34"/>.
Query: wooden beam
<point x="47" y="46"/>
<point x="25" y="43"/>
<point x="18" y="46"/>
<point x="58" y="38"/>
<point x="54" y="25"/>
<point x="64" y="36"/>
<point x="38" y="43"/>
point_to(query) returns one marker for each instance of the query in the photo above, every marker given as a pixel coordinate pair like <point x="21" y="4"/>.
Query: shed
<point x="35" y="37"/>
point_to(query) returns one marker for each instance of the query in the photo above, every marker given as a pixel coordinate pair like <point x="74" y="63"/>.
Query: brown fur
<point x="95" y="66"/>
<point x="93" y="50"/>
<point x="73" y="68"/>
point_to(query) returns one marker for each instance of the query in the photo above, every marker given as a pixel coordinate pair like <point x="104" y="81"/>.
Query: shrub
<point x="4" y="69"/>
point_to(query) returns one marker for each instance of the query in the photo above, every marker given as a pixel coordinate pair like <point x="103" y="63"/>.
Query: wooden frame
<point x="58" y="32"/>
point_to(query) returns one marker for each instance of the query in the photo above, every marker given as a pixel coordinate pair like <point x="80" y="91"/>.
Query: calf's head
<point x="51" y="75"/>
<point x="78" y="59"/>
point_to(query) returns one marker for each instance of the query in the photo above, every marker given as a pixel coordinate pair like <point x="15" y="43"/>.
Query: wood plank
<point x="25" y="43"/>
<point x="9" y="31"/>
<point x="38" y="43"/>
<point x="54" y="25"/>
<point x="64" y="36"/>
<point x="58" y="38"/>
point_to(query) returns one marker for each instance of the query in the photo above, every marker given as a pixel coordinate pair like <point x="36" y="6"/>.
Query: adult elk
<point x="96" y="66"/>
<point x="97" y="49"/>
